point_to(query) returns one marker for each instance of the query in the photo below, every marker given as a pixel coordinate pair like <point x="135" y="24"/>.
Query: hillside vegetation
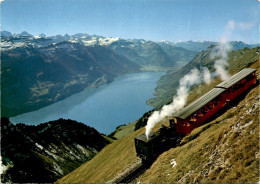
<point x="224" y="150"/>
<point x="123" y="130"/>
<point x="203" y="45"/>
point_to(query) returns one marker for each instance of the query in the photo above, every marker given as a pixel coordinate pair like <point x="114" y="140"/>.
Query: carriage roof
<point x="196" y="105"/>
<point x="209" y="96"/>
<point x="236" y="78"/>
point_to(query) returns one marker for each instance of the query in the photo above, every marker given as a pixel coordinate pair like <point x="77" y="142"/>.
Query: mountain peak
<point x="24" y="33"/>
<point x="6" y="34"/>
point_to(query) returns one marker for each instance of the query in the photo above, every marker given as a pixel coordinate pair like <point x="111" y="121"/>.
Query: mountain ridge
<point x="48" y="151"/>
<point x="48" y="74"/>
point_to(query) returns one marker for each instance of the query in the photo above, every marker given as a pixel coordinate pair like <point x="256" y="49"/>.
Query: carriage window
<point x="204" y="110"/>
<point x="216" y="100"/>
<point x="210" y="105"/>
<point x="250" y="77"/>
<point x="192" y="118"/>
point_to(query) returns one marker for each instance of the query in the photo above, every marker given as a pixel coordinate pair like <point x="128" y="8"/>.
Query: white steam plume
<point x="220" y="52"/>
<point x="193" y="77"/>
<point x="206" y="75"/>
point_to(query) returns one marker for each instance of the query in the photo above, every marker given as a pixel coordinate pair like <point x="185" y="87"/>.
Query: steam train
<point x="193" y="115"/>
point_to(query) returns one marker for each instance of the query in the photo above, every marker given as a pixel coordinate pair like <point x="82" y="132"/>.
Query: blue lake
<point x="104" y="108"/>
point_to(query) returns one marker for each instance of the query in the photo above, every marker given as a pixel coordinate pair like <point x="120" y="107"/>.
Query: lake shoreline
<point x="133" y="102"/>
<point x="80" y="88"/>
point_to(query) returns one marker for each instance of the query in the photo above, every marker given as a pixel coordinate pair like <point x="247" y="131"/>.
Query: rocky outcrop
<point x="46" y="152"/>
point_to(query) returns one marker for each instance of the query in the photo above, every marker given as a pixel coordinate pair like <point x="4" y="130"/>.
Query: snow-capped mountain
<point x="90" y="60"/>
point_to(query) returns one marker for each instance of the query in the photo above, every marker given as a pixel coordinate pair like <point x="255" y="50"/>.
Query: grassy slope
<point x="113" y="159"/>
<point x="226" y="150"/>
<point x="107" y="164"/>
<point x="124" y="130"/>
<point x="119" y="155"/>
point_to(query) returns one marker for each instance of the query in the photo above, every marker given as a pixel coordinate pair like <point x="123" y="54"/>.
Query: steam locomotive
<point x="193" y="115"/>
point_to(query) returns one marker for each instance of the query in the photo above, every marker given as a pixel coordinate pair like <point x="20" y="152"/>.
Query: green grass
<point x="112" y="160"/>
<point x="213" y="153"/>
<point x="124" y="130"/>
<point x="109" y="162"/>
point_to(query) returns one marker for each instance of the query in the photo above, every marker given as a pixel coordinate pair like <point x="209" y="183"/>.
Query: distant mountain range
<point x="40" y="70"/>
<point x="44" y="153"/>
<point x="88" y="40"/>
<point x="139" y="51"/>
<point x="203" y="45"/>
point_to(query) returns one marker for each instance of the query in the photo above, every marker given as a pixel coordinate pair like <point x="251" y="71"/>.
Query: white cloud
<point x="231" y="25"/>
<point x="237" y="26"/>
<point x="246" y="25"/>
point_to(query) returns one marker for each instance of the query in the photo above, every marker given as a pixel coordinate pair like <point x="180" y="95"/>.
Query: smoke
<point x="206" y="75"/>
<point x="230" y="27"/>
<point x="220" y="52"/>
<point x="185" y="83"/>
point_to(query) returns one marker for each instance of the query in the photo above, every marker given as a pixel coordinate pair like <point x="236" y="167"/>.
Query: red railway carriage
<point x="190" y="117"/>
<point x="238" y="83"/>
<point x="202" y="109"/>
<point x="199" y="111"/>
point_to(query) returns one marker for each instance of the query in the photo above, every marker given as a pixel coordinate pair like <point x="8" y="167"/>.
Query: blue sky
<point x="172" y="20"/>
